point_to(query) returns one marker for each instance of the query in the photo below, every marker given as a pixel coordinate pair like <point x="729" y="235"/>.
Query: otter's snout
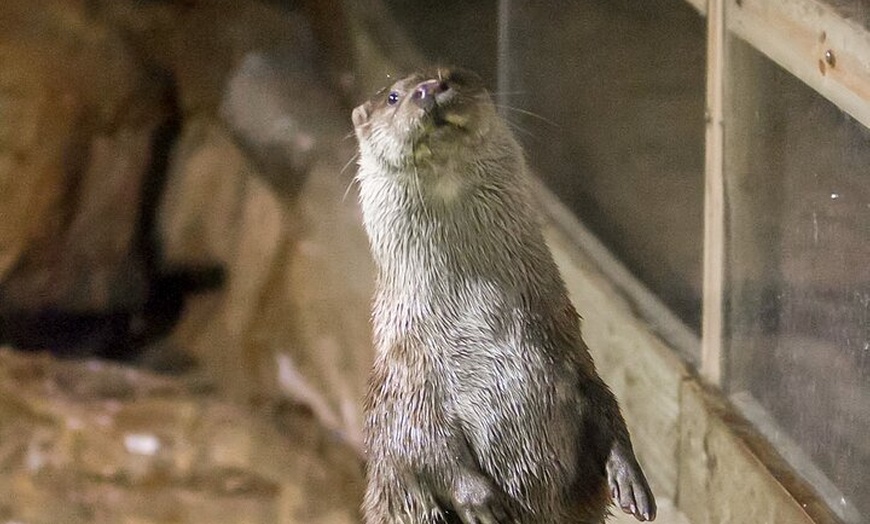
<point x="426" y="93"/>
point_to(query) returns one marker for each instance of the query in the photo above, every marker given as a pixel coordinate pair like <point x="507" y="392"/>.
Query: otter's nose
<point x="425" y="93"/>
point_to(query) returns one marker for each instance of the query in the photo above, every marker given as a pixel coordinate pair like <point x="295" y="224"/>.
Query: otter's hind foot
<point x="476" y="500"/>
<point x="628" y="486"/>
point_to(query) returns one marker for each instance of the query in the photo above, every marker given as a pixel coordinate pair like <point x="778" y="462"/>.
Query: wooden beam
<point x="815" y="43"/>
<point x="699" y="5"/>
<point x="714" y="199"/>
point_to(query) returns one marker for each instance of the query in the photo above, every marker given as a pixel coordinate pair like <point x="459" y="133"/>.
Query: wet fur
<point x="484" y="403"/>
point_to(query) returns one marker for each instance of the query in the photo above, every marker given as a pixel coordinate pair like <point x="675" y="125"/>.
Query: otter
<point x="484" y="403"/>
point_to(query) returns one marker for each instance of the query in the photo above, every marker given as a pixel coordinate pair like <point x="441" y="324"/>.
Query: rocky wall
<point x="172" y="196"/>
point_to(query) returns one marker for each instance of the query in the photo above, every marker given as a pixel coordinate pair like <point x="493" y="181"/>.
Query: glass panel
<point x="617" y="88"/>
<point x="454" y="32"/>
<point x="798" y="195"/>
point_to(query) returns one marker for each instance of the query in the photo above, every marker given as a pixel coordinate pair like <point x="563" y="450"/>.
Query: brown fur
<point x="485" y="406"/>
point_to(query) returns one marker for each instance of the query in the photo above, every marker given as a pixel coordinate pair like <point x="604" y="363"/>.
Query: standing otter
<point x="485" y="406"/>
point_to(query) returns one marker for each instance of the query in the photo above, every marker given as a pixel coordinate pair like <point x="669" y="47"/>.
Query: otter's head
<point x="424" y="119"/>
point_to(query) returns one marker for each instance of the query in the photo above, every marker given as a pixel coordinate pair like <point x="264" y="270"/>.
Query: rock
<point x="76" y="166"/>
<point x="201" y="42"/>
<point x="265" y="108"/>
<point x="137" y="138"/>
<point x="217" y="210"/>
<point x="75" y="149"/>
<point x="96" y="442"/>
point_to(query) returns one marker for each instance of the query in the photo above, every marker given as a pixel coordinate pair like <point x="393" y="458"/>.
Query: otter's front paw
<point x="628" y="486"/>
<point x="476" y="500"/>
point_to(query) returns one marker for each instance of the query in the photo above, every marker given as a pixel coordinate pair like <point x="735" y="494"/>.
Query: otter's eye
<point x="392" y="98"/>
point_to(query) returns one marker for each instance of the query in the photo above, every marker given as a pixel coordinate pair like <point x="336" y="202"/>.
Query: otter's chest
<point x="447" y="316"/>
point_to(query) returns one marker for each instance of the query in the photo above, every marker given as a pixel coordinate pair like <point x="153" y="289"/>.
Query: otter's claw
<point x="628" y="486"/>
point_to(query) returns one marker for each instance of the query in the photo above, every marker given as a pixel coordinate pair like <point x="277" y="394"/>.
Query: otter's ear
<point x="360" y="115"/>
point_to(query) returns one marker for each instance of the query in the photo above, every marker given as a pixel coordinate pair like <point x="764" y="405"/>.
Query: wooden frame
<point x="810" y="40"/>
<point x="714" y="199"/>
<point x="830" y="54"/>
